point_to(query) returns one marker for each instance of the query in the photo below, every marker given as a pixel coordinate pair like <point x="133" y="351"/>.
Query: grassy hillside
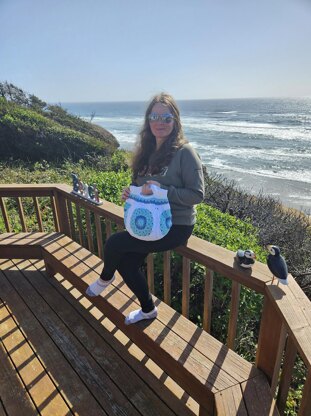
<point x="31" y="130"/>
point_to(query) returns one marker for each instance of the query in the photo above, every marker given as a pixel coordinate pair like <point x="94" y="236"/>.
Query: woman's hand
<point x="125" y="193"/>
<point x="146" y="188"/>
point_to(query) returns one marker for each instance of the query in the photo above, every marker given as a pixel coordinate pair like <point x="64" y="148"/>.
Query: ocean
<point x="264" y="145"/>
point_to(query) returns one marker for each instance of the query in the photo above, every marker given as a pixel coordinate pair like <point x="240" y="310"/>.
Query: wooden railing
<point x="285" y="326"/>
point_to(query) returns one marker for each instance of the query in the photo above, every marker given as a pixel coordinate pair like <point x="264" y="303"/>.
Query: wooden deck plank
<point x="107" y="394"/>
<point x="27" y="245"/>
<point x="123" y="304"/>
<point x="155" y="377"/>
<point x="39" y="385"/>
<point x="14" y="396"/>
<point x="258" y="399"/>
<point x="203" y="342"/>
<point x="137" y="392"/>
<point x="30" y="238"/>
<point x="158" y="341"/>
<point x="163" y="338"/>
<point x="80" y="398"/>
<point x="230" y="402"/>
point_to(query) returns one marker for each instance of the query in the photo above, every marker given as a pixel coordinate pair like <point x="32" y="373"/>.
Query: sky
<point x="129" y="50"/>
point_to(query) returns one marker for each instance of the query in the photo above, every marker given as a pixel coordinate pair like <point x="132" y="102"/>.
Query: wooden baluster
<point x="287" y="371"/>
<point x="268" y="357"/>
<point x="38" y="213"/>
<point x="108" y="228"/>
<point x="234" y="311"/>
<point x="99" y="236"/>
<point x="73" y="234"/>
<point x="167" y="276"/>
<point x="79" y="222"/>
<point x="208" y="298"/>
<point x="279" y="355"/>
<point x="120" y="226"/>
<point x="89" y="230"/>
<point x="305" y="404"/>
<point x="55" y="218"/>
<point x="21" y="214"/>
<point x="150" y="272"/>
<point x="62" y="213"/>
<point x="5" y="215"/>
<point x="185" y="286"/>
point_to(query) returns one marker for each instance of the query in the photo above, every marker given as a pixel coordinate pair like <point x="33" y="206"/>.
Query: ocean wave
<point x="299" y="196"/>
<point x="298" y="175"/>
<point x="116" y="120"/>
<point x="256" y="153"/>
<point x="249" y="129"/>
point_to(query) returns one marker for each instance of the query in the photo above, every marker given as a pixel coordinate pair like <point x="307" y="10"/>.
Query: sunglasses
<point x="164" y="118"/>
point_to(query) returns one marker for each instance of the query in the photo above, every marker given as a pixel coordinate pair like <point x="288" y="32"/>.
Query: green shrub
<point x="28" y="135"/>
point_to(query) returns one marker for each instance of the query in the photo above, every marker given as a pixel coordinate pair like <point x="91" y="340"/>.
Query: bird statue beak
<point x="269" y="247"/>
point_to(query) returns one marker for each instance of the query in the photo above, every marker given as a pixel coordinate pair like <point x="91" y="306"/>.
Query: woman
<point x="163" y="158"/>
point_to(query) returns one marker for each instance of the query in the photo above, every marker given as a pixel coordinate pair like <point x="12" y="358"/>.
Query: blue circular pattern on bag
<point x="165" y="221"/>
<point x="126" y="210"/>
<point x="141" y="222"/>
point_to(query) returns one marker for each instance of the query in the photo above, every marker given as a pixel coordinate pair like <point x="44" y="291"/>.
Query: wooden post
<point x="268" y="351"/>
<point x="208" y="298"/>
<point x="5" y="215"/>
<point x="185" y="286"/>
<point x="21" y="214"/>
<point x="167" y="276"/>
<point x="55" y="217"/>
<point x="150" y="272"/>
<point x="79" y="222"/>
<point x="99" y="236"/>
<point x="287" y="371"/>
<point x="305" y="405"/>
<point x="71" y="221"/>
<point x="62" y="213"/>
<point x="38" y="213"/>
<point x="234" y="311"/>
<point x="89" y="230"/>
<point x="108" y="228"/>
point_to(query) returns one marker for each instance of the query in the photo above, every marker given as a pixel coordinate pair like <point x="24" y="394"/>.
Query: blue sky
<point x="122" y="50"/>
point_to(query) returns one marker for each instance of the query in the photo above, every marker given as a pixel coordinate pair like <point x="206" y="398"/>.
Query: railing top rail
<point x="18" y="190"/>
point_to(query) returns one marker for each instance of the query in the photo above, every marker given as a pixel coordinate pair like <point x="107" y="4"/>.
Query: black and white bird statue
<point x="246" y="258"/>
<point x="277" y="264"/>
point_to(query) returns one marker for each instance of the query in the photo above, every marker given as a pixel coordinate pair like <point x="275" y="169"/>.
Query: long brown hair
<point x="146" y="158"/>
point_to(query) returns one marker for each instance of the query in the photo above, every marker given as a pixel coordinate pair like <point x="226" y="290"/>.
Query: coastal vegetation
<point x="41" y="143"/>
<point x="32" y="130"/>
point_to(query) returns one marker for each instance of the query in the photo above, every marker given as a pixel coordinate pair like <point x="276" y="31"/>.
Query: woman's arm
<point x="192" y="176"/>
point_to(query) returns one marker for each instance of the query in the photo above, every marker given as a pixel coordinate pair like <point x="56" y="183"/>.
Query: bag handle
<point x="157" y="191"/>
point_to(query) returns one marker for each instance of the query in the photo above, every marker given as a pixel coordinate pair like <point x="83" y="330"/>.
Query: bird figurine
<point x="246" y="258"/>
<point x="277" y="264"/>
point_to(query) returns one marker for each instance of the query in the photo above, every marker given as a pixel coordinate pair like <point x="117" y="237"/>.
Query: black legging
<point x="126" y="254"/>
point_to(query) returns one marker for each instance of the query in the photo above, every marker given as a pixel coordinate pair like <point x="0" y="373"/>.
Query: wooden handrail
<point x="286" y="318"/>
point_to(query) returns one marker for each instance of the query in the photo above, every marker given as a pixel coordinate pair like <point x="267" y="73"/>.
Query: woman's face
<point x="160" y="128"/>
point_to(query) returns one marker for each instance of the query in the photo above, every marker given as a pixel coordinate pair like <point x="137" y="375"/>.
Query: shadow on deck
<point x="61" y="356"/>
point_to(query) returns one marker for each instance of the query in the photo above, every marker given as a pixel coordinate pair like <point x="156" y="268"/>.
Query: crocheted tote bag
<point x="147" y="217"/>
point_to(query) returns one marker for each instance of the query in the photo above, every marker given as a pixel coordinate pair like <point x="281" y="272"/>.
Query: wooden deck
<point x="59" y="355"/>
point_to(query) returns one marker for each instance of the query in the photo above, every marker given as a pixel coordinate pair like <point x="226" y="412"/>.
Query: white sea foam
<point x="248" y="128"/>
<point x="299" y="175"/>
<point x="254" y="153"/>
<point x="299" y="196"/>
